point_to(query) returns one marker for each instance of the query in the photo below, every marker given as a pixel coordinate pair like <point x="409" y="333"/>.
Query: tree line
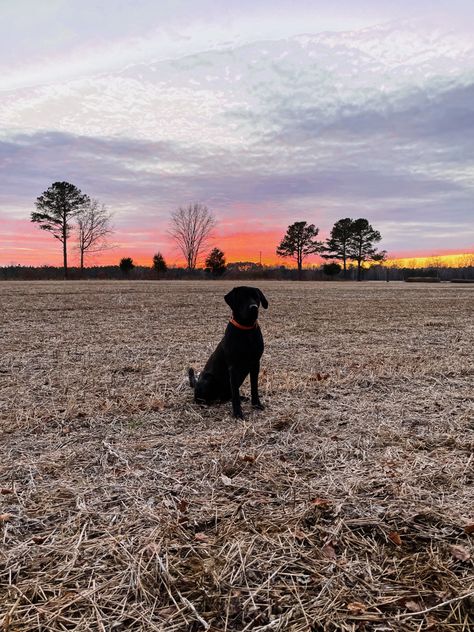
<point x="63" y="210"/>
<point x="350" y="240"/>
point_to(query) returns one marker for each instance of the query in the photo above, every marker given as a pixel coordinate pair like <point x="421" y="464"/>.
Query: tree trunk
<point x="65" y="256"/>
<point x="82" y="261"/>
<point x="359" y="263"/>
<point x="65" y="244"/>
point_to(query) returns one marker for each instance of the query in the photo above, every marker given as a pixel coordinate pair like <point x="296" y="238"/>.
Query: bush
<point x="215" y="263"/>
<point x="159" y="264"/>
<point x="126" y="265"/>
<point x="331" y="269"/>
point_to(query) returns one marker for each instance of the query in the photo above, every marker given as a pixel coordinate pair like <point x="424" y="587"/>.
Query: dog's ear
<point x="229" y="298"/>
<point x="263" y="299"/>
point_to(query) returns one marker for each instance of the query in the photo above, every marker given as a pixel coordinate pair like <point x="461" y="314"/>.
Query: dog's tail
<point x="192" y="377"/>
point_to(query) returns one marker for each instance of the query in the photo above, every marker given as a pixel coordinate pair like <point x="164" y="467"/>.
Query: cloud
<point x="316" y="127"/>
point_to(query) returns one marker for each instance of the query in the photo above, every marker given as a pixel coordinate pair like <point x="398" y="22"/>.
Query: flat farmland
<point x="347" y="504"/>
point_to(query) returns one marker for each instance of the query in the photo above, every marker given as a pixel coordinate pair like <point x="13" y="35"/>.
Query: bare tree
<point x="191" y="228"/>
<point x="93" y="229"/>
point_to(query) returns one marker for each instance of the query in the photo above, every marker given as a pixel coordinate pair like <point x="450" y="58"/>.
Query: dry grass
<point x="345" y="505"/>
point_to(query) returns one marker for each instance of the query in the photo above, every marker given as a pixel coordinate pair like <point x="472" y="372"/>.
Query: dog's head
<point x="244" y="302"/>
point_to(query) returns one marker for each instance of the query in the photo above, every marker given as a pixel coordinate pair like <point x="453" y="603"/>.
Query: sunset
<point x="268" y="114"/>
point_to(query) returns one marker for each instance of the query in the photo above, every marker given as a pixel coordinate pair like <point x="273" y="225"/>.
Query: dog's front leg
<point x="235" y="394"/>
<point x="254" y="371"/>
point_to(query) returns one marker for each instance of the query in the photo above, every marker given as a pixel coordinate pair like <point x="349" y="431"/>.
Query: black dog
<point x="237" y="354"/>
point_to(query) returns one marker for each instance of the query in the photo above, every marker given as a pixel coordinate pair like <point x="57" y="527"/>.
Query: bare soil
<point x="348" y="504"/>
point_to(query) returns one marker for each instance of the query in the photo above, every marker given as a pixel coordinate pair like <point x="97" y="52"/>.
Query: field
<point x="348" y="504"/>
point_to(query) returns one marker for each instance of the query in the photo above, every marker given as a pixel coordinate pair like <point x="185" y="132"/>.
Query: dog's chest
<point x="247" y="349"/>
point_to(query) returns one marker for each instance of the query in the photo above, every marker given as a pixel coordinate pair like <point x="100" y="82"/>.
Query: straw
<point x="346" y="505"/>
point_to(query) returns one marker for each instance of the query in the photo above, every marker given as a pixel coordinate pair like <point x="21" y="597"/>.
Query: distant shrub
<point x="215" y="263"/>
<point x="126" y="265"/>
<point x="159" y="264"/>
<point x="423" y="279"/>
<point x="331" y="269"/>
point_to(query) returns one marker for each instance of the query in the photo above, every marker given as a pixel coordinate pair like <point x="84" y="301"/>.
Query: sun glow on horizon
<point x="458" y="260"/>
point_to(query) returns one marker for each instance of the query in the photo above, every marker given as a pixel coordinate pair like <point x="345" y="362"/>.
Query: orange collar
<point x="244" y="327"/>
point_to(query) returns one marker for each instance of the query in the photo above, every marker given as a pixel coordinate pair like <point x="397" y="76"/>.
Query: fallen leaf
<point x="322" y="376"/>
<point x="469" y="528"/>
<point x="356" y="606"/>
<point x="328" y="551"/>
<point x="460" y="553"/>
<point x="6" y="490"/>
<point x="6" y="517"/>
<point x="182" y="506"/>
<point x="320" y="502"/>
<point x="38" y="539"/>
<point x="412" y="606"/>
<point x="248" y="458"/>
<point x="394" y="537"/>
<point x="201" y="537"/>
<point x="226" y="480"/>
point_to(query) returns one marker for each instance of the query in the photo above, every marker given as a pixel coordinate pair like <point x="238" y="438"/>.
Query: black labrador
<point x="237" y="354"/>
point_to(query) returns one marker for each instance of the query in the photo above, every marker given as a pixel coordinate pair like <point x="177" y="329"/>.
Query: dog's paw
<point x="238" y="414"/>
<point x="258" y="405"/>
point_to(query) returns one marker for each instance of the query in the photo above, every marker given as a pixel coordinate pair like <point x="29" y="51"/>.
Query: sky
<point x="268" y="112"/>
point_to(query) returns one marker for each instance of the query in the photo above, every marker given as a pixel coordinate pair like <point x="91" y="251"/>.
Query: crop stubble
<point x="346" y="505"/>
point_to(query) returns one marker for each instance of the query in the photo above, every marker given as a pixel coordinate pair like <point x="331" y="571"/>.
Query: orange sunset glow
<point x="22" y="243"/>
<point x="459" y="260"/>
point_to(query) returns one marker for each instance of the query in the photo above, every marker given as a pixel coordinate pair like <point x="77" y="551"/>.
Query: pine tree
<point x="337" y="245"/>
<point x="361" y="244"/>
<point x="56" y="207"/>
<point x="215" y="263"/>
<point x="299" y="242"/>
<point x="159" y="264"/>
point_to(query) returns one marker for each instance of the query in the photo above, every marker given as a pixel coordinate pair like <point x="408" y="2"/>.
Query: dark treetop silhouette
<point x="361" y="244"/>
<point x="56" y="207"/>
<point x="337" y="245"/>
<point x="299" y="242"/>
<point x="159" y="264"/>
<point x="215" y="263"/>
<point x="126" y="265"/>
